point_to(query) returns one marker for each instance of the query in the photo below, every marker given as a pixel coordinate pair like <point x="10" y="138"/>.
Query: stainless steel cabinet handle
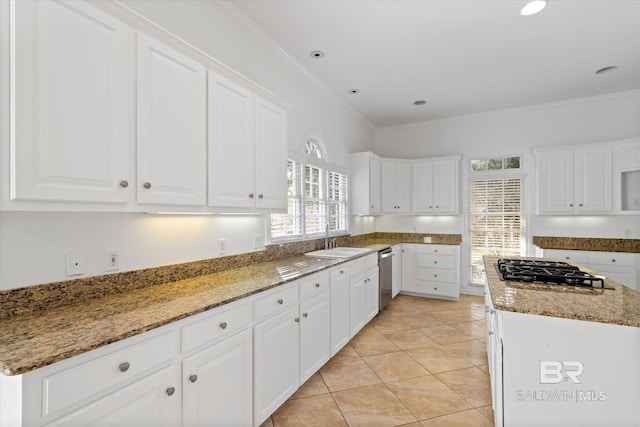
<point x="124" y="366"/>
<point x="124" y="183"/>
<point x="223" y="325"/>
<point x="280" y="301"/>
<point x="251" y="195"/>
<point x="570" y="205"/>
<point x="305" y="315"/>
<point x="581" y="205"/>
<point x="317" y="285"/>
<point x="171" y="390"/>
<point x="147" y="185"/>
<point x="193" y="378"/>
<point x="260" y="196"/>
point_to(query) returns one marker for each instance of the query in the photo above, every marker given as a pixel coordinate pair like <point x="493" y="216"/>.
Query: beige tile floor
<point x="421" y="362"/>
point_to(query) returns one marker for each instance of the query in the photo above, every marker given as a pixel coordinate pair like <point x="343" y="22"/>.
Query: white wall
<point x="33" y="245"/>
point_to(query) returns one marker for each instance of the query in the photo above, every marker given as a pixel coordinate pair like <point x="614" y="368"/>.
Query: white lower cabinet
<point x="340" y="290"/>
<point x="217" y="383"/>
<point x="396" y="278"/>
<point x="431" y="270"/>
<point x="372" y="288"/>
<point x="315" y="330"/>
<point x="357" y="297"/>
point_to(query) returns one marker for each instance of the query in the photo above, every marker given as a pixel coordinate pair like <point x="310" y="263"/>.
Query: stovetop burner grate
<point x="551" y="272"/>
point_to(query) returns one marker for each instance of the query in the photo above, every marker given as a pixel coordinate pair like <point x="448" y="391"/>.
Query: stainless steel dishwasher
<point x="385" y="267"/>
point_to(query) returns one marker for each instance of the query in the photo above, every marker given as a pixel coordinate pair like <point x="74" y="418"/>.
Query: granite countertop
<point x="31" y="341"/>
<point x="620" y="306"/>
<point x="64" y="323"/>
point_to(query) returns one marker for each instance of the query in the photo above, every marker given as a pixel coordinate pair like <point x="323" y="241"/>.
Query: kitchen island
<point x="561" y="355"/>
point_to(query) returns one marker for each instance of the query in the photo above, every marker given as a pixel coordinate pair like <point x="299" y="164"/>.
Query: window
<point x="496" y="212"/>
<point x="317" y="197"/>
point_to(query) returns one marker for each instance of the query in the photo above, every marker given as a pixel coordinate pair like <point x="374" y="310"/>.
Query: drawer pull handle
<point x="297" y="319"/>
<point x="223" y="325"/>
<point x="435" y="275"/>
<point x="435" y="262"/>
<point x="435" y="250"/>
<point x="567" y="257"/>
<point x="261" y="196"/>
<point x="124" y="183"/>
<point x="317" y="285"/>
<point x="613" y="260"/>
<point x="147" y="185"/>
<point x="170" y="391"/>
<point x="193" y="378"/>
<point x="124" y="366"/>
<point x="341" y="271"/>
<point x="305" y="315"/>
<point x="251" y="195"/>
<point x="280" y="301"/>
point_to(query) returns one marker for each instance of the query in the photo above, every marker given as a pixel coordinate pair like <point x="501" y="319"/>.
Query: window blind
<point x="289" y="225"/>
<point x="338" y="202"/>
<point x="496" y="225"/>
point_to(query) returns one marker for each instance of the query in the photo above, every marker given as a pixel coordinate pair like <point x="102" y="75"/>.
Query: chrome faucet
<point x="329" y="243"/>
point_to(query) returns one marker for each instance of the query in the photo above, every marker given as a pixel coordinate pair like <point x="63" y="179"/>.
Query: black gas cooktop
<point x="549" y="272"/>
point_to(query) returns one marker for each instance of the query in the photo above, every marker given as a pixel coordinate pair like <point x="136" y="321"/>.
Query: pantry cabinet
<point x="575" y="181"/>
<point x="395" y="186"/>
<point x="72" y="104"/>
<point x="435" y="186"/>
<point x="247" y="148"/>
<point x="172" y="126"/>
<point x="365" y="184"/>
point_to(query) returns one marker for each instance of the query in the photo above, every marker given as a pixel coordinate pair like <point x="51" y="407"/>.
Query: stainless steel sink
<point x="343" y="252"/>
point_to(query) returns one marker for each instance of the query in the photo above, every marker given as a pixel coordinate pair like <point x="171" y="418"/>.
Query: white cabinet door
<point x="372" y="294"/>
<point x="593" y="174"/>
<point x="409" y="267"/>
<point x="218" y="384"/>
<point x="151" y="401"/>
<point x="396" y="265"/>
<point x="231" y="143"/>
<point x="271" y="156"/>
<point x="395" y="187"/>
<point x="357" y="305"/>
<point x="73" y="103"/>
<point x="445" y="186"/>
<point x="276" y="358"/>
<point x="339" y="288"/>
<point x="172" y="102"/>
<point x="365" y="183"/>
<point x="423" y="187"/>
<point x="555" y="182"/>
<point x="315" y="331"/>
<point x="374" y="185"/>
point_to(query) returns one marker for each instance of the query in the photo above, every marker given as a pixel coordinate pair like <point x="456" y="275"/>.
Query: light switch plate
<point x="76" y="263"/>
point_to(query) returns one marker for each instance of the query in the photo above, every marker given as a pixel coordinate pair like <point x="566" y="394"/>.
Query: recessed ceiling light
<point x="533" y="7"/>
<point x="354" y="91"/>
<point x="317" y="54"/>
<point x="420" y="102"/>
<point x="607" y="69"/>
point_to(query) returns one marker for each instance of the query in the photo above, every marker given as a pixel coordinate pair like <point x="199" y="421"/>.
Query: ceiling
<point x="461" y="56"/>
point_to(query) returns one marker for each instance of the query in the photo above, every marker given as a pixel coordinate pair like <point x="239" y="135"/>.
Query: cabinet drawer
<point x="436" y="249"/>
<point x="275" y="302"/>
<point x="313" y="286"/>
<point x="436" y="275"/>
<point x="435" y="288"/>
<point x="581" y="257"/>
<point x="612" y="258"/>
<point x="216" y="326"/>
<point x="371" y="261"/>
<point x="437" y="261"/>
<point x="81" y="383"/>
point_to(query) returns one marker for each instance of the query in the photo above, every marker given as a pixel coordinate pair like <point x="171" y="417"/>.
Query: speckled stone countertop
<point x="620" y="306"/>
<point x="44" y="324"/>
<point x="588" y="244"/>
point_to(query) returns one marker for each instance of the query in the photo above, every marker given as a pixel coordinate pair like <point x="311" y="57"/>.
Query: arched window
<point x="315" y="149"/>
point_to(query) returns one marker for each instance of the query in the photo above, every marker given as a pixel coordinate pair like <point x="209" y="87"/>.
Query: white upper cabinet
<point x="247" y="149"/>
<point x="396" y="186"/>
<point x="171" y="126"/>
<point x="72" y="104"/>
<point x="231" y="143"/>
<point x="271" y="156"/>
<point x="435" y="186"/>
<point x="575" y="180"/>
<point x="365" y="184"/>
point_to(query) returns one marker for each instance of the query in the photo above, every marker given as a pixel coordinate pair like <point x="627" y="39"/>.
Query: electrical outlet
<point x="222" y="246"/>
<point x="76" y="263"/>
<point x="113" y="259"/>
<point x="258" y="241"/>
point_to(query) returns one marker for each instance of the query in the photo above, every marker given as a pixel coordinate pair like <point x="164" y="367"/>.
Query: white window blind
<point x="316" y="197"/>
<point x="496" y="225"/>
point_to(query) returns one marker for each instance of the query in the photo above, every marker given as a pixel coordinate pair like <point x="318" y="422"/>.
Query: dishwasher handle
<point x="385" y="255"/>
